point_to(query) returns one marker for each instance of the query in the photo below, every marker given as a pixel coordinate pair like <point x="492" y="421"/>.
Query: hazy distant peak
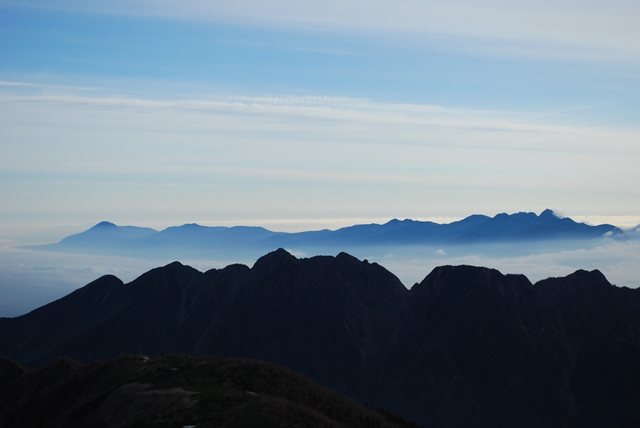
<point x="187" y="226"/>
<point x="104" y="225"/>
<point x="520" y="214"/>
<point x="194" y="240"/>
<point x="546" y="214"/>
<point x="398" y="221"/>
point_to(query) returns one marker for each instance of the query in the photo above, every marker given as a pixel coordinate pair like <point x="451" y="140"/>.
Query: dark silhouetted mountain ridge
<point x="467" y="346"/>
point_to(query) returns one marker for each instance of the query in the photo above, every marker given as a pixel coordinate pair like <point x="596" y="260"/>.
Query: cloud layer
<point x="30" y="279"/>
<point x="120" y="158"/>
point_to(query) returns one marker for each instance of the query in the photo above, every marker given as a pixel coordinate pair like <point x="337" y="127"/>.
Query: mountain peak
<point x="104" y="225"/>
<point x="281" y="253"/>
<point x="458" y="281"/>
<point x="173" y="265"/>
<point x="191" y="226"/>
<point x="548" y="213"/>
<point x="593" y="276"/>
<point x="275" y="258"/>
<point x="348" y="257"/>
<point x="580" y="281"/>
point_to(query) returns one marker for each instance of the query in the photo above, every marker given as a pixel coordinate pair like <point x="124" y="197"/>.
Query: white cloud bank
<point x="618" y="261"/>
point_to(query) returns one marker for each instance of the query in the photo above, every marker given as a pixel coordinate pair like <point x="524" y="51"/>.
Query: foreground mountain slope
<point x="467" y="346"/>
<point x="602" y="325"/>
<point x="474" y="354"/>
<point x="176" y="390"/>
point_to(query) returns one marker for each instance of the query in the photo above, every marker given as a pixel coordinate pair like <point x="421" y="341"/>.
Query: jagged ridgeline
<point x="468" y="346"/>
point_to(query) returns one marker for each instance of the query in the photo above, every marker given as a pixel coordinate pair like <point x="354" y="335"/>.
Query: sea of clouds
<point x="30" y="279"/>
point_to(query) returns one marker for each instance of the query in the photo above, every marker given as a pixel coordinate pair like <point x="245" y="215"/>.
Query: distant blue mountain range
<point x="193" y="240"/>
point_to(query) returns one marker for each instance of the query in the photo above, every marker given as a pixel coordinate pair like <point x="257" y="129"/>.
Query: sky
<point x="303" y="115"/>
<point x="298" y="115"/>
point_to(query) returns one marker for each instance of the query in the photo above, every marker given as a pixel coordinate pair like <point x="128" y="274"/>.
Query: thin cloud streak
<point x="324" y="126"/>
<point x="344" y="109"/>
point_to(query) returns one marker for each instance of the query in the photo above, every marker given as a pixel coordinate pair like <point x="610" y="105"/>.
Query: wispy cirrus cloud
<point x="334" y="131"/>
<point x="244" y="157"/>
<point x="566" y="29"/>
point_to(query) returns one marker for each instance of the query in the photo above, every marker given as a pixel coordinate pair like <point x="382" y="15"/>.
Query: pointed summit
<point x="548" y="213"/>
<point x="279" y="254"/>
<point x="274" y="261"/>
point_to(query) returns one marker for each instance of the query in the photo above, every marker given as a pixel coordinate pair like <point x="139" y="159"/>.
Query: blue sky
<point x="297" y="115"/>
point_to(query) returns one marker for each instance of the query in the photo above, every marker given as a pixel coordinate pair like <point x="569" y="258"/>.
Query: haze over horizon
<point x="287" y="112"/>
<point x="287" y="225"/>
